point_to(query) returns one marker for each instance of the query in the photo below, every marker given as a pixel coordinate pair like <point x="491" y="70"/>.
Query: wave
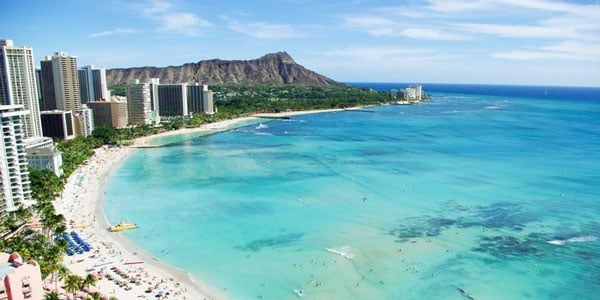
<point x="344" y="251"/>
<point x="261" y="126"/>
<point x="580" y="239"/>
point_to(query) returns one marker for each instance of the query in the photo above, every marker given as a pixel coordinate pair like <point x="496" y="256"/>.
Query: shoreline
<point x="81" y="203"/>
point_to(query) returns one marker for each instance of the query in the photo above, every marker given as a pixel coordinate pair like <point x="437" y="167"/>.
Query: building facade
<point x="20" y="280"/>
<point x="141" y="105"/>
<point x="45" y="158"/>
<point x="15" y="187"/>
<point x="84" y="121"/>
<point x="413" y="93"/>
<point x="46" y="86"/>
<point x="112" y="114"/>
<point x="172" y="100"/>
<point x="199" y="99"/>
<point x="92" y="84"/>
<point x="58" y="124"/>
<point x="64" y="82"/>
<point x="207" y="100"/>
<point x="18" y="85"/>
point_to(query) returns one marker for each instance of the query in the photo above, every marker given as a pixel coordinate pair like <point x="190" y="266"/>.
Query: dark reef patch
<point x="421" y="227"/>
<point x="283" y="240"/>
<point x="507" y="246"/>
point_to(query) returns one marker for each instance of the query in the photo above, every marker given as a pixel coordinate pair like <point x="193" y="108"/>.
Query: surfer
<point x="464" y="293"/>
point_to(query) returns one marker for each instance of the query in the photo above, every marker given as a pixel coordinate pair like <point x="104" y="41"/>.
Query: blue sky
<point x="539" y="42"/>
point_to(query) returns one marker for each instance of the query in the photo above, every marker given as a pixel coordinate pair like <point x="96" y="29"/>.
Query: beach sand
<point x="145" y="275"/>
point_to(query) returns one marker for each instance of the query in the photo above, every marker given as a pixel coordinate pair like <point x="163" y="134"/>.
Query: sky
<point x="524" y="42"/>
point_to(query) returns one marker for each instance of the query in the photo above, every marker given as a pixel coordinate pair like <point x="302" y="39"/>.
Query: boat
<point x="122" y="226"/>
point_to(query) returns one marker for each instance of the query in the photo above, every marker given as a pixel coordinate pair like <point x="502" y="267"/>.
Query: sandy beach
<point x="133" y="273"/>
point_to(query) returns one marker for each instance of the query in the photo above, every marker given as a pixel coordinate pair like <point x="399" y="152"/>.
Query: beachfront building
<point x="142" y="104"/>
<point x="45" y="158"/>
<point x="20" y="280"/>
<point x="200" y="99"/>
<point x="172" y="100"/>
<point x="18" y="85"/>
<point x="15" y="187"/>
<point x="83" y="121"/>
<point x="58" y="124"/>
<point x="92" y="84"/>
<point x="413" y="93"/>
<point x="112" y="113"/>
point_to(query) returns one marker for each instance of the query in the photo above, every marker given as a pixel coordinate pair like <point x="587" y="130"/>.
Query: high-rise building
<point x="62" y="81"/>
<point x="18" y="85"/>
<point x="112" y="114"/>
<point x="46" y="86"/>
<point x="207" y="100"/>
<point x="141" y="106"/>
<point x="84" y="121"/>
<point x="199" y="99"/>
<point x="92" y="84"/>
<point x="58" y="124"/>
<point x="15" y="187"/>
<point x="172" y="100"/>
<point x="154" y="83"/>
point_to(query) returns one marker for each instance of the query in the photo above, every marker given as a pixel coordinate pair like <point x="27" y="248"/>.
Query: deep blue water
<point x="520" y="91"/>
<point x="395" y="202"/>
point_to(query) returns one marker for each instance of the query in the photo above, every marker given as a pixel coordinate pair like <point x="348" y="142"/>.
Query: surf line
<point x="581" y="239"/>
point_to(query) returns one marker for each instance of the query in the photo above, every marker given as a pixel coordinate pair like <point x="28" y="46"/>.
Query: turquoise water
<point x="393" y="202"/>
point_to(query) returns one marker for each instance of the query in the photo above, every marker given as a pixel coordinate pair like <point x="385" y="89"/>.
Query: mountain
<point x="273" y="68"/>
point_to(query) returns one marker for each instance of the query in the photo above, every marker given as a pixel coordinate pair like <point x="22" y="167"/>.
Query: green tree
<point x="89" y="280"/>
<point x="73" y="283"/>
<point x="51" y="296"/>
<point x="105" y="135"/>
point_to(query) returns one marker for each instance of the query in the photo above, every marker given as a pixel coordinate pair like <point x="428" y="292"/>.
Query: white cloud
<point x="113" y="32"/>
<point x="519" y="31"/>
<point x="388" y="55"/>
<point x="172" y="19"/>
<point x="185" y="23"/>
<point x="431" y="34"/>
<point x="567" y="50"/>
<point x="264" y="30"/>
<point x="379" y="26"/>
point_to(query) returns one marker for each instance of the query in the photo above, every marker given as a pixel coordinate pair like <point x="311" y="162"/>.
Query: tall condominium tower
<point x="15" y="187"/>
<point x="92" y="84"/>
<point x="60" y="82"/>
<point x="18" y="85"/>
<point x="141" y="104"/>
<point x="199" y="99"/>
<point x="172" y="100"/>
<point x="112" y="114"/>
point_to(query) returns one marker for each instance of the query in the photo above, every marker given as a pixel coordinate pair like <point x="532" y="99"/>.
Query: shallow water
<point x="458" y="195"/>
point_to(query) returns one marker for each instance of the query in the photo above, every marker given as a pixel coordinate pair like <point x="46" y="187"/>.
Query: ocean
<point x="487" y="192"/>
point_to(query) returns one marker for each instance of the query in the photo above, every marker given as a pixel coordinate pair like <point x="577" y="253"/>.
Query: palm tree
<point x="89" y="280"/>
<point x="95" y="296"/>
<point x="73" y="284"/>
<point x="51" y="296"/>
<point x="63" y="274"/>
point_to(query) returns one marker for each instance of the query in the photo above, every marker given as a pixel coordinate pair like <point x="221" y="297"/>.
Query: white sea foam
<point x="580" y="239"/>
<point x="345" y="251"/>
